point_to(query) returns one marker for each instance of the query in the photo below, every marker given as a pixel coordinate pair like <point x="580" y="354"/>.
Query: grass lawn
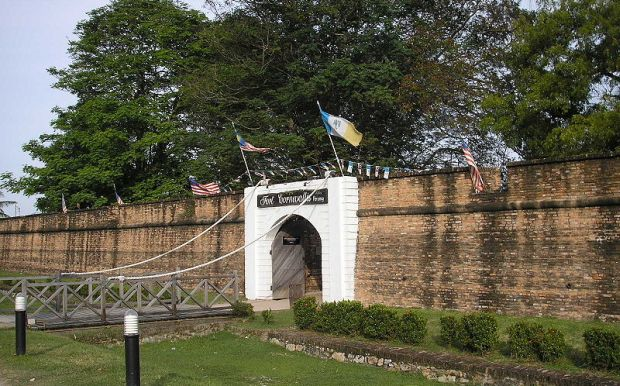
<point x="218" y="359"/>
<point x="574" y="361"/>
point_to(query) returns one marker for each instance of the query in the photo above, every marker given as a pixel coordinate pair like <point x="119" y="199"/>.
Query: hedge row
<point x="476" y="332"/>
<point x="349" y="317"/>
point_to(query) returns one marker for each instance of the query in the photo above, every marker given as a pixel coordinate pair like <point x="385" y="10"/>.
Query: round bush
<point x="521" y="338"/>
<point x="412" y="328"/>
<point x="341" y="318"/>
<point x="451" y="330"/>
<point x="602" y="348"/>
<point x="550" y="345"/>
<point x="479" y="332"/>
<point x="242" y="309"/>
<point x="305" y="312"/>
<point x="379" y="322"/>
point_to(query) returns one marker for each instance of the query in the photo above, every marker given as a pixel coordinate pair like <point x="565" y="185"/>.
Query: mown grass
<point x="574" y="360"/>
<point x="218" y="359"/>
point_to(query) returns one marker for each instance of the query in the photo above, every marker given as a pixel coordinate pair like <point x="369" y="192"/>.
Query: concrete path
<point x="262" y="305"/>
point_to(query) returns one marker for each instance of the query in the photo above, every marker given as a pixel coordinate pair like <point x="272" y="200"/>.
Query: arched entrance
<point x="333" y="216"/>
<point x="296" y="259"/>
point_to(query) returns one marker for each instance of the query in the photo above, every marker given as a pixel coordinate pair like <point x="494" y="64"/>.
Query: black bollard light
<point x="20" y="324"/>
<point x="132" y="349"/>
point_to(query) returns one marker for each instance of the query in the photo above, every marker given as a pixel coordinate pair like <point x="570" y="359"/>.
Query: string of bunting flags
<point x="350" y="167"/>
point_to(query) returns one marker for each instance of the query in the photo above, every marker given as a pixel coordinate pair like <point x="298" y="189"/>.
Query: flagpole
<point x="243" y="155"/>
<point x="332" y="142"/>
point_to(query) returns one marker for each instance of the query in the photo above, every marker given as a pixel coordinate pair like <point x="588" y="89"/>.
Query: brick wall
<point x="89" y="240"/>
<point x="550" y="245"/>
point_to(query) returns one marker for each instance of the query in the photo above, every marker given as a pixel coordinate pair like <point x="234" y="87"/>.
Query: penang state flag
<point x="340" y="127"/>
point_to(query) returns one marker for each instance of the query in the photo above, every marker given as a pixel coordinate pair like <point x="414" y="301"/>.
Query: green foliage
<point x="125" y="127"/>
<point x="479" y="332"/>
<point x="561" y="95"/>
<point x="528" y="340"/>
<point x="379" y="322"/>
<point x="451" y="330"/>
<point x="158" y="87"/>
<point x="412" y="327"/>
<point x="242" y="309"/>
<point x="341" y="318"/>
<point x="475" y="332"/>
<point x="602" y="348"/>
<point x="267" y="316"/>
<point x="305" y="311"/>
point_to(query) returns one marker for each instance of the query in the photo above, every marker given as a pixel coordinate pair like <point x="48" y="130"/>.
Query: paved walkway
<point x="274" y="305"/>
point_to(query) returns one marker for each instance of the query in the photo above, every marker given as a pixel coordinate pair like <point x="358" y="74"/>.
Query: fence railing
<point x="100" y="298"/>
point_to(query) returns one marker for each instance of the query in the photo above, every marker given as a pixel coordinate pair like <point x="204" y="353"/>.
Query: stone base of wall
<point x="442" y="367"/>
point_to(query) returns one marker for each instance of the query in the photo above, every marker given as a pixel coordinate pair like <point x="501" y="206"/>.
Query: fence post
<point x="173" y="292"/>
<point x="103" y="284"/>
<point x="139" y="289"/>
<point x="236" y="285"/>
<point x="65" y="301"/>
<point x="25" y="286"/>
<point x="89" y="299"/>
<point x="58" y="298"/>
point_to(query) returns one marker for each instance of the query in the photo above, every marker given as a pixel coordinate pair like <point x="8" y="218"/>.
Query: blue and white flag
<point x="340" y="127"/>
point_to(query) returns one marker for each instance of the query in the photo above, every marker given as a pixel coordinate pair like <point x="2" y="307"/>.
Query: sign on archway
<point x="332" y="211"/>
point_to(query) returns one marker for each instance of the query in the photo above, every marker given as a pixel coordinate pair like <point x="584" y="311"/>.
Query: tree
<point x="4" y="204"/>
<point x="562" y="93"/>
<point x="410" y="75"/>
<point x="126" y="63"/>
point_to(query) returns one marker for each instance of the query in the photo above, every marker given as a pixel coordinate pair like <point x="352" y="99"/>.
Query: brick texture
<point x="428" y="241"/>
<point x="550" y="245"/>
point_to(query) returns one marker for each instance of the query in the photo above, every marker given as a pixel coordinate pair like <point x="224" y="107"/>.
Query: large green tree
<point x="125" y="69"/>
<point x="562" y="94"/>
<point x="410" y="75"/>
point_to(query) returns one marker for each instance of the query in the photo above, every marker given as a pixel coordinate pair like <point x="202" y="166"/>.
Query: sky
<point x="34" y="35"/>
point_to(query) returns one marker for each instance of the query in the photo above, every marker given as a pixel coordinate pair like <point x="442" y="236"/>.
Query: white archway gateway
<point x="332" y="211"/>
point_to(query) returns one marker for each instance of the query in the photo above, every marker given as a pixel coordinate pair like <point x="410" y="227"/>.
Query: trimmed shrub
<point x="550" y="345"/>
<point x="242" y="309"/>
<point x="412" y="327"/>
<point x="602" y="348"/>
<point x="305" y="312"/>
<point x="521" y="337"/>
<point x="531" y="340"/>
<point x="479" y="332"/>
<point x="267" y="316"/>
<point x="341" y="318"/>
<point x="379" y="322"/>
<point x="451" y="330"/>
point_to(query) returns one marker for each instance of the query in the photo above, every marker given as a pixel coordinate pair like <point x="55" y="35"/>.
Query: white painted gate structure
<point x="337" y="224"/>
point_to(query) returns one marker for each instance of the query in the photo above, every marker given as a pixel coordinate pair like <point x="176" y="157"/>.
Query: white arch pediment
<point x="335" y="221"/>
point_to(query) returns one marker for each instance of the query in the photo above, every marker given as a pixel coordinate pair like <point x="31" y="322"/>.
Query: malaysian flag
<point x="476" y="178"/>
<point x="203" y="189"/>
<point x="246" y="146"/>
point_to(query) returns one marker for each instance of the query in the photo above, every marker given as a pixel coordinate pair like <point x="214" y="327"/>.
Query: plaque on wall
<point x="294" y="197"/>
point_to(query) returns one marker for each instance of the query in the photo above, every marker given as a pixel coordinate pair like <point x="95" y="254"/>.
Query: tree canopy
<point x="562" y="93"/>
<point x="159" y="88"/>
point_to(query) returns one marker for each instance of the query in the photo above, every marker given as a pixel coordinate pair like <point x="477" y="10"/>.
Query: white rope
<point x="167" y="252"/>
<point x="282" y="220"/>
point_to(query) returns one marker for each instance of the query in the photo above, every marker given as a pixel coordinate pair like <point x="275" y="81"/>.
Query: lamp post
<point x="20" y="324"/>
<point x="132" y="349"/>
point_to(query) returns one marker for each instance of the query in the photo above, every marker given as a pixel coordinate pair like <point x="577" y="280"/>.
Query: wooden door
<point x="288" y="264"/>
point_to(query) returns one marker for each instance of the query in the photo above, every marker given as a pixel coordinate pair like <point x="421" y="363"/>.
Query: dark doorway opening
<point x="296" y="259"/>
